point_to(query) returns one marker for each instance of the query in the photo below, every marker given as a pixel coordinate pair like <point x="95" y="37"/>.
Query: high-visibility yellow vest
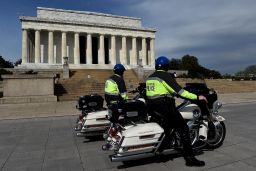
<point x="111" y="88"/>
<point x="157" y="87"/>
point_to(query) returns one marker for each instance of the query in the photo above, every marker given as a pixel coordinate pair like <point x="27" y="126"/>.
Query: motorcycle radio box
<point x="90" y="102"/>
<point x="131" y="110"/>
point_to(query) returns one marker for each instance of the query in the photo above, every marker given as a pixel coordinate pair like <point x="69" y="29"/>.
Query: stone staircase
<point x="89" y="81"/>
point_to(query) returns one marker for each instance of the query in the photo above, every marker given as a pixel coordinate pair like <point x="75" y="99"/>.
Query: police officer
<point x="115" y="89"/>
<point x="161" y="89"/>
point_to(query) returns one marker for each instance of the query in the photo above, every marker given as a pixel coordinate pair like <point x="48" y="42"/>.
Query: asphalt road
<point x="50" y="144"/>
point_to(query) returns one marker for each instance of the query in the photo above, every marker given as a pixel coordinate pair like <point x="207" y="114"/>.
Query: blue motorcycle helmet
<point x="162" y="63"/>
<point x="119" y="69"/>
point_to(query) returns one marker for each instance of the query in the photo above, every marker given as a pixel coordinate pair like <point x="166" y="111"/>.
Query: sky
<point x="220" y="33"/>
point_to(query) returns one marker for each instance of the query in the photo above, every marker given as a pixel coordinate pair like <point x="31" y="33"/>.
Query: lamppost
<point x="65" y="67"/>
<point x="140" y="70"/>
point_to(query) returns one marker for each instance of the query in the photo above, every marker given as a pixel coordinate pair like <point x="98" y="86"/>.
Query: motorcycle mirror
<point x="216" y="106"/>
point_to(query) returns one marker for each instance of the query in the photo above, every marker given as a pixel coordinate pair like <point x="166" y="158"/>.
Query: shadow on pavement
<point x="155" y="159"/>
<point x="161" y="158"/>
<point x="93" y="138"/>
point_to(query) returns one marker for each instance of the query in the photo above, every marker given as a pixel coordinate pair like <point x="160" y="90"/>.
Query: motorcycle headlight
<point x="196" y="113"/>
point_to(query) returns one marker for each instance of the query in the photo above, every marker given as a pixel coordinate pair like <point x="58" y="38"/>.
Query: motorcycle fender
<point x="220" y="118"/>
<point x="187" y="111"/>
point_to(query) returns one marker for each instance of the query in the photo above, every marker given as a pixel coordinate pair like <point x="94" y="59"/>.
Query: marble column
<point x="133" y="60"/>
<point x="31" y="49"/>
<point x="89" y="49"/>
<point x="123" y="59"/>
<point x="50" y="47"/>
<point x="37" y="47"/>
<point x="76" y="49"/>
<point x="101" y="52"/>
<point x="144" y="52"/>
<point x="63" y="46"/>
<point x="24" y="46"/>
<point x="152" y="51"/>
<point x="54" y="54"/>
<point x="113" y="50"/>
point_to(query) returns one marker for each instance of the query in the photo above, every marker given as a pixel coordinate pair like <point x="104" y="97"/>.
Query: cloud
<point x="220" y="33"/>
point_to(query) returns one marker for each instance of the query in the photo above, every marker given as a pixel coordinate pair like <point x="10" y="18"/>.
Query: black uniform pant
<point x="204" y="108"/>
<point x="172" y="119"/>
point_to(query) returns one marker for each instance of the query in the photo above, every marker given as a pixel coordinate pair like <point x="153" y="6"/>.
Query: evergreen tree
<point x="5" y="64"/>
<point x="248" y="71"/>
<point x="195" y="70"/>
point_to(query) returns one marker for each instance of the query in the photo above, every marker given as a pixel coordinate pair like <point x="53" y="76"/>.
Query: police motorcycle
<point x="88" y="105"/>
<point x="137" y="102"/>
<point x="95" y="123"/>
<point x="140" y="140"/>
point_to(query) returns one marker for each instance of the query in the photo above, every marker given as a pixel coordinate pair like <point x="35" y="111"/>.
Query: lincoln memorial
<point x="88" y="39"/>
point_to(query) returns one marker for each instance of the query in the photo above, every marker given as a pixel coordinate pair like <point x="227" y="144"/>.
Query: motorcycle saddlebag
<point x="141" y="138"/>
<point x="90" y="102"/>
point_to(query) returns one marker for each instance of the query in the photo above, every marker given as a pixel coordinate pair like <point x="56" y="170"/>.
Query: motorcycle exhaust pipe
<point x="115" y="158"/>
<point x="80" y="134"/>
<point x="203" y="131"/>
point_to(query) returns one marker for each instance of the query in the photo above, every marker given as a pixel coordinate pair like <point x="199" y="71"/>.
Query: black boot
<point x="165" y="145"/>
<point x="192" y="161"/>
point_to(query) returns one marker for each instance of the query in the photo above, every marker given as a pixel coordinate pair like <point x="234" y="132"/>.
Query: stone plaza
<point x="50" y="143"/>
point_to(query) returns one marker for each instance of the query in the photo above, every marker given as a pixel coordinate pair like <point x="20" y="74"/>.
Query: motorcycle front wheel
<point x="216" y="136"/>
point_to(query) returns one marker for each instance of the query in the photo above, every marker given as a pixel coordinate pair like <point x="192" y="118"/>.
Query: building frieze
<point x="67" y="22"/>
<point x="36" y="24"/>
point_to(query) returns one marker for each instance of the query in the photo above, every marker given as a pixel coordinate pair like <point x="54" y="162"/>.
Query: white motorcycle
<point x="88" y="105"/>
<point x="140" y="140"/>
<point x="96" y="123"/>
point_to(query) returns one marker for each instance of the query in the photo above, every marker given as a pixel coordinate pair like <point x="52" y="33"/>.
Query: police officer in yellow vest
<point x="161" y="89"/>
<point x="115" y="89"/>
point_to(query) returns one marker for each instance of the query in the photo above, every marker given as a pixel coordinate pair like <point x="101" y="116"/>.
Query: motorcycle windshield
<point x="196" y="85"/>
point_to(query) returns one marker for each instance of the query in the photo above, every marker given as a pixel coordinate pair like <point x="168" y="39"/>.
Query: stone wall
<point x="27" y="88"/>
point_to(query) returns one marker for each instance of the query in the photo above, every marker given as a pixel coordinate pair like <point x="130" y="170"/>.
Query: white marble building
<point x="89" y="39"/>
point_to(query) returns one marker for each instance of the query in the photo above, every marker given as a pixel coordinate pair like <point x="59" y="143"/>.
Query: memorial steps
<point x="89" y="81"/>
